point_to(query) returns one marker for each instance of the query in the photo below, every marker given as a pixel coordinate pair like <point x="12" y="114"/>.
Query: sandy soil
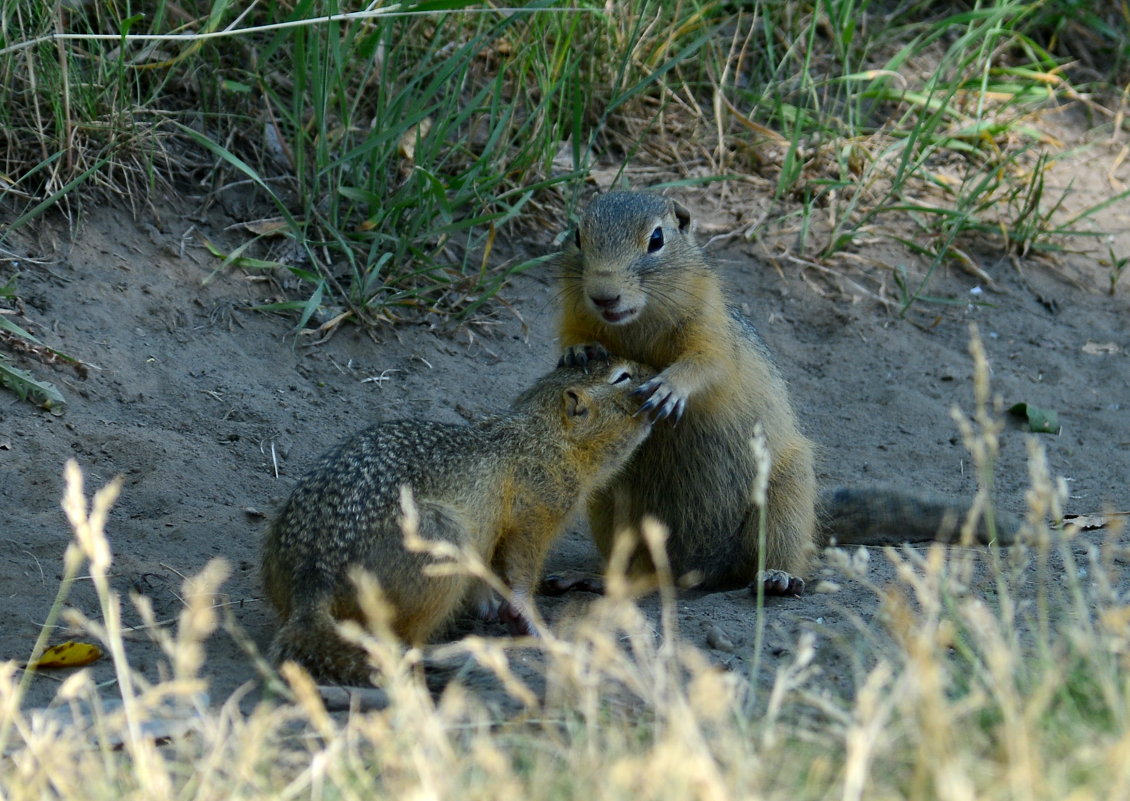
<point x="195" y="399"/>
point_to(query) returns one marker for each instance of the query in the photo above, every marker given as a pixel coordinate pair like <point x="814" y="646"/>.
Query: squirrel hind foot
<point x="777" y="582"/>
<point x="571" y="582"/>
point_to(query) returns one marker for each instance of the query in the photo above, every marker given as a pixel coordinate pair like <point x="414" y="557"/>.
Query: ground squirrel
<point x="504" y="487"/>
<point x="636" y="285"/>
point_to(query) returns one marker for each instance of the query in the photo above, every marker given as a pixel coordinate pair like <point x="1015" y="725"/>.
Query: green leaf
<point x="54" y="198"/>
<point x="125" y="25"/>
<point x="285" y="305"/>
<point x="1040" y="421"/>
<point x="28" y="387"/>
<point x="311" y="305"/>
<point x="10" y="327"/>
<point x="242" y="166"/>
<point x="9" y="289"/>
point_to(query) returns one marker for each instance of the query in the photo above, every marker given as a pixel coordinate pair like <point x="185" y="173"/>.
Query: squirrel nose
<point x="605" y="301"/>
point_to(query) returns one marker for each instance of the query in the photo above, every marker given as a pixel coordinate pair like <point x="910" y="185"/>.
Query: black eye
<point x="577" y="238"/>
<point x="656" y="241"/>
<point x="620" y="375"/>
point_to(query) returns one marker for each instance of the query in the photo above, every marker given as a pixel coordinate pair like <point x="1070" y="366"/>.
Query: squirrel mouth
<point x="617" y="317"/>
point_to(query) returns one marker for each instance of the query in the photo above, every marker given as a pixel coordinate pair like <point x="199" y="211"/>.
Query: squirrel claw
<point x="571" y="582"/>
<point x="662" y="401"/>
<point x="677" y="414"/>
<point x="581" y="355"/>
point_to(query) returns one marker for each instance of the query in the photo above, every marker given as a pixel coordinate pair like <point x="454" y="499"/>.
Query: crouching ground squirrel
<point x="504" y="487"/>
<point x="636" y="285"/>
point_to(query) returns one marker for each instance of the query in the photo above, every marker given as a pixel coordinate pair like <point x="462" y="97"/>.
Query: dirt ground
<point x="197" y="400"/>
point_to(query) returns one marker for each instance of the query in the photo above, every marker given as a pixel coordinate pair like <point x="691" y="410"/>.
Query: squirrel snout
<point x="605" y="301"/>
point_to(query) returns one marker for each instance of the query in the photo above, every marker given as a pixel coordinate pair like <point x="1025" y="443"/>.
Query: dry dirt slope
<point x="194" y="400"/>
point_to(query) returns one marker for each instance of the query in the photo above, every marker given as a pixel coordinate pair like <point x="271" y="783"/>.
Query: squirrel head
<point x="599" y="419"/>
<point x="624" y="251"/>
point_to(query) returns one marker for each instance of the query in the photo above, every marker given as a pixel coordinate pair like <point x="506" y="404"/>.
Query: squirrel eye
<point x="620" y="375"/>
<point x="656" y="241"/>
<point x="577" y="238"/>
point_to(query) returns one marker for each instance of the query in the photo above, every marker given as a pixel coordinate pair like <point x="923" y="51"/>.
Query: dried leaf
<point x="563" y="158"/>
<point x="274" y="226"/>
<point x="69" y="654"/>
<point x="1093" y="521"/>
<point x="1100" y="348"/>
<point x="409" y="138"/>
<point x="755" y="127"/>
<point x="1084" y="522"/>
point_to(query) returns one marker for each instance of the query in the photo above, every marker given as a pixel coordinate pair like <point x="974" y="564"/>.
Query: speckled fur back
<point x="501" y="489"/>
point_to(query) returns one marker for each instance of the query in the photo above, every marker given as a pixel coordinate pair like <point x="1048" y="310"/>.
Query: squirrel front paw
<point x="662" y="399"/>
<point x="581" y="355"/>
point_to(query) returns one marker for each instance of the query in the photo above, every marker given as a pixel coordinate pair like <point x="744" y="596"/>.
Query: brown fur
<point x="504" y="488"/>
<point x="665" y="306"/>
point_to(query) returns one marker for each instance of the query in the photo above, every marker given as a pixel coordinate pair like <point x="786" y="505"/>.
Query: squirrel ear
<point x="576" y="403"/>
<point x="681" y="214"/>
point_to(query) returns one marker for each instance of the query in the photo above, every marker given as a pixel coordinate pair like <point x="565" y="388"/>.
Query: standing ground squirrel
<point x="636" y="285"/>
<point x="504" y="488"/>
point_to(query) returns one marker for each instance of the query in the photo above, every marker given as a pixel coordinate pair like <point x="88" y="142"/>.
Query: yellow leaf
<point x="274" y="226"/>
<point x="69" y="654"/>
<point x="408" y="140"/>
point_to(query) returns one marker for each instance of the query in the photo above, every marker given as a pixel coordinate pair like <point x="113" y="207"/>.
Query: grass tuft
<point x="923" y="118"/>
<point x="385" y="150"/>
<point x="375" y="156"/>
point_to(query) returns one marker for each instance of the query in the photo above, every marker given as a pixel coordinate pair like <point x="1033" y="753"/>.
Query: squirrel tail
<point x="880" y="516"/>
<point x="310" y="638"/>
